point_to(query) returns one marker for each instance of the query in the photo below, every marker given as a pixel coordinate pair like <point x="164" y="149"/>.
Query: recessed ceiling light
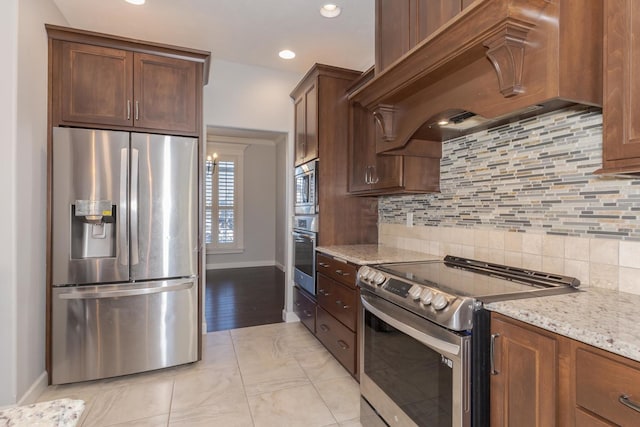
<point x="330" y="10"/>
<point x="136" y="2"/>
<point x="286" y="54"/>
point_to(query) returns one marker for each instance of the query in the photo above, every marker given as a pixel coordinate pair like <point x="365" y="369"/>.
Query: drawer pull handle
<point x="322" y="264"/>
<point x="492" y="354"/>
<point x="340" y="303"/>
<point x="624" y="399"/>
<point x="297" y="304"/>
<point x="324" y="328"/>
<point x="341" y="273"/>
<point x="306" y="313"/>
<point x="323" y="292"/>
<point x="343" y="345"/>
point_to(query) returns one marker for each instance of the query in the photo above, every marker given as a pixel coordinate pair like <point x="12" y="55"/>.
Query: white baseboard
<point x="280" y="266"/>
<point x="36" y="389"/>
<point x="244" y="264"/>
<point x="289" y="316"/>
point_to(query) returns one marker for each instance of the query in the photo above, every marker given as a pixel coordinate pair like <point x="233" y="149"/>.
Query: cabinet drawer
<point x="338" y="339"/>
<point x="305" y="308"/>
<point x="337" y="270"/>
<point x="338" y="300"/>
<point x="585" y="419"/>
<point x="601" y="381"/>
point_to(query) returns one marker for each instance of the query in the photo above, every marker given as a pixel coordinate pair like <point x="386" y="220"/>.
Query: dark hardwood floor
<point x="241" y="297"/>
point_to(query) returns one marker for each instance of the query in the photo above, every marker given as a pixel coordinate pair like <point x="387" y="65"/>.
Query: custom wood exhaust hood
<point x="496" y="61"/>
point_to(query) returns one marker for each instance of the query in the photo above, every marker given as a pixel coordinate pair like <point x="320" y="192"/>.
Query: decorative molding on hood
<point x="496" y="62"/>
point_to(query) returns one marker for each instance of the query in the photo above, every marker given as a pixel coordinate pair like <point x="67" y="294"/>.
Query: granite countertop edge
<point x="602" y="318"/>
<point x="374" y="254"/>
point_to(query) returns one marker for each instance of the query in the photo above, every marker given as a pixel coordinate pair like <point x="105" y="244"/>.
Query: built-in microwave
<point x="306" y="184"/>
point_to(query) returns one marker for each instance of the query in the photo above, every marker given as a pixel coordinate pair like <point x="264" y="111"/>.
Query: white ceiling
<point x="245" y="31"/>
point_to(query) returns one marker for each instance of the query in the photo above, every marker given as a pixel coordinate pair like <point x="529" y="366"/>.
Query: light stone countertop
<point x="603" y="318"/>
<point x="374" y="254"/>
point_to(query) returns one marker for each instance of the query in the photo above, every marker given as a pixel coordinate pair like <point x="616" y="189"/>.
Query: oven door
<point x="412" y="371"/>
<point x="304" y="260"/>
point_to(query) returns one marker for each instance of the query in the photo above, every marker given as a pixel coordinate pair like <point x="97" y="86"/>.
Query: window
<point x="223" y="198"/>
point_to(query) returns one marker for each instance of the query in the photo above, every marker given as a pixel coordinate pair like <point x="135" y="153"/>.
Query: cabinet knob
<point x="343" y="345"/>
<point x="324" y="328"/>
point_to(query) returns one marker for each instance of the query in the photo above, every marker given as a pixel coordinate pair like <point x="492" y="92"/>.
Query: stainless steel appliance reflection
<point x="125" y="246"/>
<point x="424" y="336"/>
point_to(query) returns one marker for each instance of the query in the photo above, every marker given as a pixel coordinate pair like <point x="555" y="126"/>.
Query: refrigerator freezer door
<point x="110" y="330"/>
<point x="89" y="206"/>
<point x="164" y="206"/>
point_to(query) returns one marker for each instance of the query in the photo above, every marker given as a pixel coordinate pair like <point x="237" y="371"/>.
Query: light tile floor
<point x="264" y="376"/>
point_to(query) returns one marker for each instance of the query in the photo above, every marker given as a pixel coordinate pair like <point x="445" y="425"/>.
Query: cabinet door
<point x="523" y="390"/>
<point x="311" y="123"/>
<point x="361" y="148"/>
<point x="300" y="131"/>
<point x="96" y="85"/>
<point x="165" y="93"/>
<point x="393" y="31"/>
<point x="368" y="171"/>
<point x="433" y="14"/>
<point x="621" y="126"/>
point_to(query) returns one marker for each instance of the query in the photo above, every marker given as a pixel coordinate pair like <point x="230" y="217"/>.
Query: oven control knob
<point x="364" y="273"/>
<point x="379" y="278"/>
<point x="439" y="302"/>
<point x="415" y="291"/>
<point x="426" y="296"/>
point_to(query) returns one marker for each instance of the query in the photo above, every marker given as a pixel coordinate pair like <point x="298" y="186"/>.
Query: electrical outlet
<point x="409" y="219"/>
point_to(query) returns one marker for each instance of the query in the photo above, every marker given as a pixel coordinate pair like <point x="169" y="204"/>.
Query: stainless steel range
<point x="424" y="337"/>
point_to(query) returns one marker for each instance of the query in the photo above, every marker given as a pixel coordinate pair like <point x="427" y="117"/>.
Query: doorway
<point x="245" y="227"/>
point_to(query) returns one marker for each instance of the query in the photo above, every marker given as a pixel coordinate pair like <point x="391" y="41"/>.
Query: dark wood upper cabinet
<point x="112" y="82"/>
<point x="373" y="174"/>
<point x="402" y="24"/>
<point x="165" y="93"/>
<point x="306" y="123"/>
<point x="621" y="127"/>
<point x="321" y="108"/>
<point x="97" y="83"/>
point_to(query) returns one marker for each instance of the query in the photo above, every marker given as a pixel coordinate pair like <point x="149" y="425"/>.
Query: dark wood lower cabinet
<point x="305" y="308"/>
<point x="339" y="340"/>
<point x="544" y="379"/>
<point x="523" y="384"/>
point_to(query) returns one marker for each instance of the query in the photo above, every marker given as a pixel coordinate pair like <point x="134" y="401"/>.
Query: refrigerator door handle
<point x="135" y="250"/>
<point x="123" y="250"/>
<point x="119" y="293"/>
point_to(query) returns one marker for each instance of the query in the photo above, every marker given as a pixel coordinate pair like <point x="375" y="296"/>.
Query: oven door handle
<point x="433" y="342"/>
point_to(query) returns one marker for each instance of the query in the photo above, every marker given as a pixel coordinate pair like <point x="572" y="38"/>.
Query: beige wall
<point x="23" y="177"/>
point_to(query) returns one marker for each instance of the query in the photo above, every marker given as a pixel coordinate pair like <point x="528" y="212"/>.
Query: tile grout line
<point x="244" y="388"/>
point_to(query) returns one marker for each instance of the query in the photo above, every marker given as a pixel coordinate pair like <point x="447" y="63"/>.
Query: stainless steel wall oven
<point x="304" y="248"/>
<point x="424" y="336"/>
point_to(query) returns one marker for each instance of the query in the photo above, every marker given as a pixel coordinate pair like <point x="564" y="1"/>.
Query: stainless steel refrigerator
<point x="124" y="253"/>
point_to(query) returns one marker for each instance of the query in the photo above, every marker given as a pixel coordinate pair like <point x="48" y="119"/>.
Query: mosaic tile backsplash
<point x="535" y="175"/>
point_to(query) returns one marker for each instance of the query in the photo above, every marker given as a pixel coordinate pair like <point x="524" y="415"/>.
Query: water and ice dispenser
<point x="93" y="229"/>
